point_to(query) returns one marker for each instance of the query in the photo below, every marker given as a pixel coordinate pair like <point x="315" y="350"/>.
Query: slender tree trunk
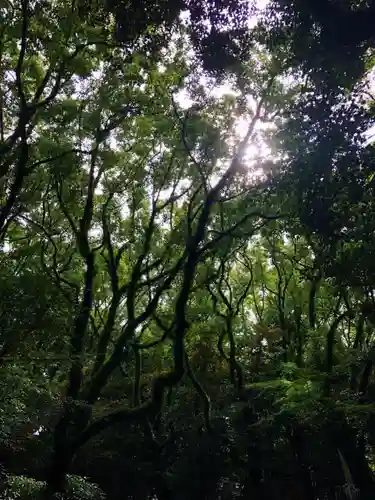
<point x="366" y="375"/>
<point x="297" y="445"/>
<point x="299" y="346"/>
<point x="354" y="369"/>
<point x="330" y="350"/>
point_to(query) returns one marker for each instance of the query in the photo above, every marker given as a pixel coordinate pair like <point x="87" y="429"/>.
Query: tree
<point x="186" y="304"/>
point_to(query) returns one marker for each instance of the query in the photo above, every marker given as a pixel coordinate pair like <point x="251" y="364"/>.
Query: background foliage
<point x="186" y="247"/>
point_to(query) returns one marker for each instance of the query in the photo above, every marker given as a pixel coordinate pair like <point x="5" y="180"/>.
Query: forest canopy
<point x="187" y="248"/>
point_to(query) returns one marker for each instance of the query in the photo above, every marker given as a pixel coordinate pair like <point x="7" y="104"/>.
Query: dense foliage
<point x="187" y="281"/>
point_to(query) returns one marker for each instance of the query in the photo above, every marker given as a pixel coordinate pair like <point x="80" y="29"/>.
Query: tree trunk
<point x="366" y="375"/>
<point x="362" y="475"/>
<point x="162" y="491"/>
<point x="297" y="444"/>
<point x="73" y="421"/>
<point x="345" y="440"/>
<point x="354" y="369"/>
<point x="56" y="478"/>
<point x="254" y="486"/>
